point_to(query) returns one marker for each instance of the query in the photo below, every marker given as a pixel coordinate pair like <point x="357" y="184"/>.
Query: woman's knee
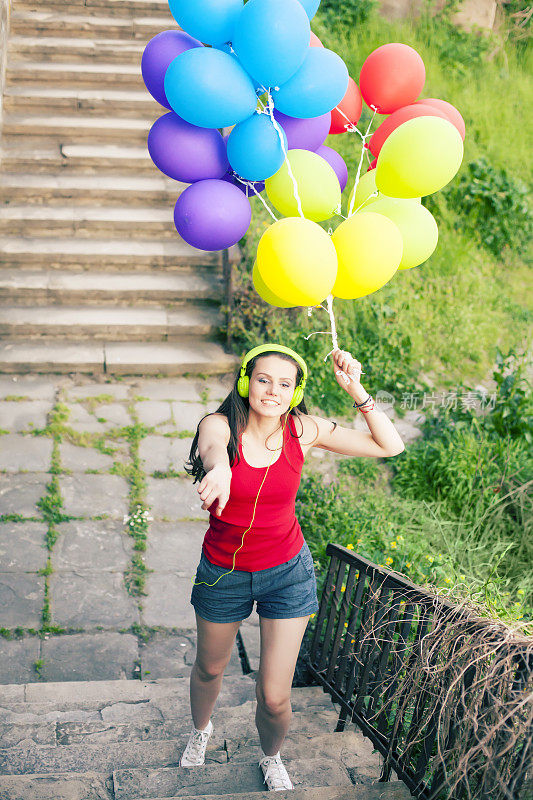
<point x="272" y="700"/>
<point x="210" y="670"/>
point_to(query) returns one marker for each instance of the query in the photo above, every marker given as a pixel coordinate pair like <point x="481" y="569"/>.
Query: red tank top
<point x="275" y="536"/>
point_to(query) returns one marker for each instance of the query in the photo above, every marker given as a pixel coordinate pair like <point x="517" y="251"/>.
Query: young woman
<point x="248" y="458"/>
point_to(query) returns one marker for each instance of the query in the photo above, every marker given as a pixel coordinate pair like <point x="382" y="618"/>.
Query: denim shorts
<point x="282" y="592"/>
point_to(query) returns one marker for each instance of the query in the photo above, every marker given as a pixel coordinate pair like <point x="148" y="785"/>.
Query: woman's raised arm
<point x="213" y="438"/>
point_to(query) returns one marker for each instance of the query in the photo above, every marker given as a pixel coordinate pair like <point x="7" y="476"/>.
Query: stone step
<point x="99" y="188"/>
<point x="23" y="287"/>
<point x="132" y="130"/>
<point x="56" y="24"/>
<point x="70" y="75"/>
<point x="73" y="786"/>
<point x="79" y="158"/>
<point x="88" y="102"/>
<point x="220" y="779"/>
<point x="102" y="254"/>
<point x="395" y="790"/>
<point x="120" y="8"/>
<point x="64" y="50"/>
<point x="88" y="221"/>
<point x="116" y="358"/>
<point x="120" y="323"/>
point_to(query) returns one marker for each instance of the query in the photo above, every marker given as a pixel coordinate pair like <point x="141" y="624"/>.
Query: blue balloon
<point x="254" y="148"/>
<point x="227" y="48"/>
<point x="212" y="91"/>
<point x="311" y="7"/>
<point x="211" y="21"/>
<point x="271" y="39"/>
<point x="317" y="87"/>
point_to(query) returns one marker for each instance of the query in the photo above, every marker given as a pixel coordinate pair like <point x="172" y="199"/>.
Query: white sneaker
<point x="276" y="776"/>
<point x="194" y="753"/>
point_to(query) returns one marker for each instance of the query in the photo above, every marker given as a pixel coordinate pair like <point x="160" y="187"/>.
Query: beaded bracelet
<point x="358" y="405"/>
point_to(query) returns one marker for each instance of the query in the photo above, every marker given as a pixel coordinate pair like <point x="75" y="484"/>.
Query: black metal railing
<point x="370" y="642"/>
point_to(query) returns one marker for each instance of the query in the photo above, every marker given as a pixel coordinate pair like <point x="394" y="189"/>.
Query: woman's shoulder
<point x="215" y="423"/>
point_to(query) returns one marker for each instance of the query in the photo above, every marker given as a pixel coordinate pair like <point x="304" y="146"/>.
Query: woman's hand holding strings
<point x="348" y="374"/>
<point x="215" y="485"/>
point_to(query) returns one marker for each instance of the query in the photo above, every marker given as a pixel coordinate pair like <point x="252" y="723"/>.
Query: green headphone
<point x="243" y="384"/>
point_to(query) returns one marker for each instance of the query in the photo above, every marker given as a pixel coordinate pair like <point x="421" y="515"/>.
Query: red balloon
<point x="451" y="112"/>
<point x="392" y="76"/>
<point x="373" y="165"/>
<point x="315" y="41"/>
<point x="350" y="106"/>
<point x="397" y="118"/>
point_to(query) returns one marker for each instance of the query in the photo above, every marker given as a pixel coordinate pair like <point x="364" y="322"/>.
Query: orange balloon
<point x="451" y="112"/>
<point x="315" y="41"/>
<point x="350" y="106"/>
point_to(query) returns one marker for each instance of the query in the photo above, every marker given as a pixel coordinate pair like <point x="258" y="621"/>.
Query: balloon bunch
<point x="266" y="76"/>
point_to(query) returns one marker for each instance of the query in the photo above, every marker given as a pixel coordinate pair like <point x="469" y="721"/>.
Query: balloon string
<point x="250" y="185"/>
<point x="270" y="111"/>
<point x="329" y="302"/>
<point x="358" y="175"/>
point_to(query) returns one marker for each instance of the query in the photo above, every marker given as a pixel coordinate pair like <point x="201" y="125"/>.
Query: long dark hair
<point x="236" y="409"/>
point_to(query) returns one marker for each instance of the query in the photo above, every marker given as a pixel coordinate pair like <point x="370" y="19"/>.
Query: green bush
<point x="346" y="13"/>
<point x="493" y="207"/>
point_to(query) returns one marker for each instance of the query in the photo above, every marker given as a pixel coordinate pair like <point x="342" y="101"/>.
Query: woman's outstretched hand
<point x="347" y="372"/>
<point x="215" y="485"/>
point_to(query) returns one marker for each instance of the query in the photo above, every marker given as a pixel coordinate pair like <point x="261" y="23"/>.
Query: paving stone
<point x="169" y="389"/>
<point x="25" y="453"/>
<point x="188" y="415"/>
<point x="119" y="391"/>
<point x="164" y="453"/>
<point x="19" y="493"/>
<point x="153" y="412"/>
<point x="73" y="786"/>
<point x="90" y="657"/>
<point x="80" y="459"/>
<point x="175" y="498"/>
<point x="17" y="658"/>
<point x="175" y="547"/>
<point x="114" y="414"/>
<point x="22" y="546"/>
<point x="218" y="387"/>
<point x="92" y="495"/>
<point x="21" y="600"/>
<point x="82" y="421"/>
<point x="23" y="415"/>
<point x="87" y="599"/>
<point x="100" y="545"/>
<point x="34" y="387"/>
<point x="168" y="601"/>
<point x="168" y="656"/>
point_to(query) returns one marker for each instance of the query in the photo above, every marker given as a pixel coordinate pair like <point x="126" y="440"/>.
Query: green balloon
<point x="318" y="187"/>
<point x="417" y="226"/>
<point x="418" y="158"/>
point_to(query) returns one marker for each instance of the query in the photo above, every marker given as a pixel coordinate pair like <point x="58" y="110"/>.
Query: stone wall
<point x="5" y="8"/>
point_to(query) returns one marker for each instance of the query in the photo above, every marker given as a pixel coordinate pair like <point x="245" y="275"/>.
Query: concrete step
<point x="87" y="222"/>
<point x="120" y="323"/>
<point x="116" y="358"/>
<point x="71" y="75"/>
<point x="99" y="188"/>
<point x="22" y="287"/>
<point x="395" y="790"/>
<point x="57" y="101"/>
<point x="86" y="159"/>
<point x="102" y="254"/>
<point x="64" y="50"/>
<point x="119" y="8"/>
<point x="57" y="24"/>
<point x="132" y="130"/>
<point x="221" y="779"/>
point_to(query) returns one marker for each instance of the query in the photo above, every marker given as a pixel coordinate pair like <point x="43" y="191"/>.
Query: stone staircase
<point x="122" y="740"/>
<point x="93" y="275"/>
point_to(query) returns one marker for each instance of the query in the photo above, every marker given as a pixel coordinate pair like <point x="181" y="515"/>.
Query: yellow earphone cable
<point x="197" y="583"/>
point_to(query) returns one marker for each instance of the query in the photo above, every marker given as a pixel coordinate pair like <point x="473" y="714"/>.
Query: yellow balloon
<point x="297" y="261"/>
<point x="417" y="225"/>
<point x="418" y="158"/>
<point x="264" y="292"/>
<point x="318" y="186"/>
<point x="364" y="190"/>
<point x="369" y="248"/>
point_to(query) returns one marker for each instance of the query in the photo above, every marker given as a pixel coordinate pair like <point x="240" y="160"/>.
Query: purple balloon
<point x="212" y="215"/>
<point x="304" y="134"/>
<point x="230" y="177"/>
<point x="158" y="54"/>
<point x="336" y="161"/>
<point x="185" y="152"/>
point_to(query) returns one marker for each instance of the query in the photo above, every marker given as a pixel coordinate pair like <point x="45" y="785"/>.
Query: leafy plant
<point x="493" y="206"/>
